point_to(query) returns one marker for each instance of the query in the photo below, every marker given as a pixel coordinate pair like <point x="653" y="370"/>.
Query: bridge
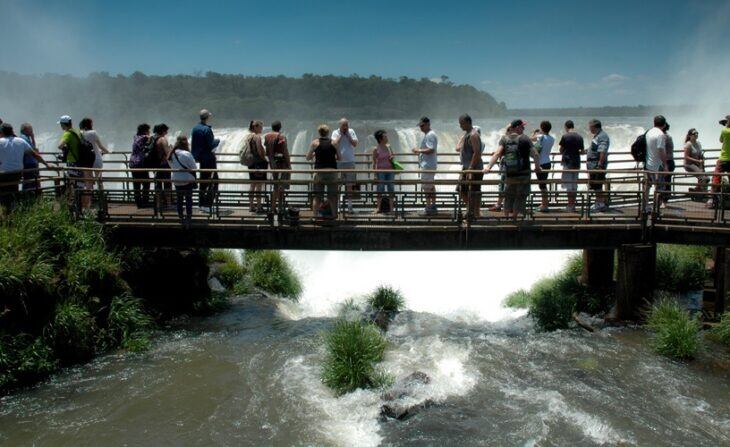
<point x="630" y="229"/>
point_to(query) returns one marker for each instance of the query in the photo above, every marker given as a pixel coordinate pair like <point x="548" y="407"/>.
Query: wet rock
<point x="215" y="285"/>
<point x="399" y="403"/>
<point x="380" y="318"/>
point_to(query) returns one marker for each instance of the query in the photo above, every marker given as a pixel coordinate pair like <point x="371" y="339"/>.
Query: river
<point x="250" y="375"/>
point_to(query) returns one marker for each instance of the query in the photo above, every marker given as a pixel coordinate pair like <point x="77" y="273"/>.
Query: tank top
<point x="325" y="155"/>
<point x="695" y="151"/>
<point x="382" y="158"/>
<point x="467" y="152"/>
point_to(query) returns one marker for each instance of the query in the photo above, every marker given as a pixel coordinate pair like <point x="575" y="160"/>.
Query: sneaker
<point x="350" y="209"/>
<point x="598" y="208"/>
<point x="225" y="212"/>
<point x="204" y="209"/>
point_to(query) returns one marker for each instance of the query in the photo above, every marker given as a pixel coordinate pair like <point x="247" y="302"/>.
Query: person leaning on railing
<point x="183" y="167"/>
<point x="141" y="183"/>
<point x="12" y="151"/>
<point x="383" y="163"/>
<point x="723" y="163"/>
<point x="325" y="156"/>
<point x="694" y="160"/>
<point x="30" y="164"/>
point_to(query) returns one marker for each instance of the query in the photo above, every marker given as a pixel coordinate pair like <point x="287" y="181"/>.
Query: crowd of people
<point x="191" y="163"/>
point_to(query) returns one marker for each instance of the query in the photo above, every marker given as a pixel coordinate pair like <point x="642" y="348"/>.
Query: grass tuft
<point x="387" y="299"/>
<point x="722" y="331"/>
<point x="72" y="333"/>
<point x="680" y="268"/>
<point x="270" y="271"/>
<point x="676" y="333"/>
<point x="128" y="324"/>
<point x="553" y="302"/>
<point x="518" y="300"/>
<point x="353" y="350"/>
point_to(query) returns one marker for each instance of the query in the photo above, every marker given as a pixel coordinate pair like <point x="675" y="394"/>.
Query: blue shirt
<point x="202" y="142"/>
<point x="600" y="143"/>
<point x="29" y="161"/>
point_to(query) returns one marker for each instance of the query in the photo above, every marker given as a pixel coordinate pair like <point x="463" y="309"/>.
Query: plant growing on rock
<point x="676" y="333"/>
<point x="128" y="324"/>
<point x="386" y="299"/>
<point x="353" y="350"/>
<point x="518" y="300"/>
<point x="680" y="268"/>
<point x="270" y="271"/>
<point x="553" y="302"/>
<point x="722" y="331"/>
<point x="72" y="332"/>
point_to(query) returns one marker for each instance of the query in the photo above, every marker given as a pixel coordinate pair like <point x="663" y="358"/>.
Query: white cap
<point x="65" y="119"/>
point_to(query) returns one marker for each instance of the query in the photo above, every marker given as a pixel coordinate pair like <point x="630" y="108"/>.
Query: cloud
<point x="614" y="78"/>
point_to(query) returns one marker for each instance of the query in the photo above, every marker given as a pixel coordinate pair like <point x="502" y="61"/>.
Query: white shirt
<point x="429" y="161"/>
<point x="12" y="150"/>
<point x="181" y="162"/>
<point x="92" y="137"/>
<point x="347" y="150"/>
<point x="546" y="146"/>
<point x="656" y="143"/>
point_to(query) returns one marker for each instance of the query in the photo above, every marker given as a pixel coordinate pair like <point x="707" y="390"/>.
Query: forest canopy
<point x="235" y="99"/>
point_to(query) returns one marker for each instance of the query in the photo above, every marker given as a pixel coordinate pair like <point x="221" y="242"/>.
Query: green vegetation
<point x="125" y="101"/>
<point x="722" y="331"/>
<point x="386" y="299"/>
<point x="354" y="349"/>
<point x="128" y="324"/>
<point x="227" y="268"/>
<point x="681" y="268"/>
<point x="270" y="271"/>
<point x="518" y="300"/>
<point x="676" y="333"/>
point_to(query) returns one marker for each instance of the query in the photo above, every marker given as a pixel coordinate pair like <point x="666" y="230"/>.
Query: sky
<point x="530" y="54"/>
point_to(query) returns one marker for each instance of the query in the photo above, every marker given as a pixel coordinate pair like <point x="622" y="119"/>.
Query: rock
<point x="398" y="405"/>
<point x="215" y="285"/>
<point x="380" y="318"/>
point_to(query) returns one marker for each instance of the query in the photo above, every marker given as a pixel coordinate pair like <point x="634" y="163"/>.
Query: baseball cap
<point x="205" y="113"/>
<point x="424" y="120"/>
<point x="725" y="121"/>
<point x="65" y="119"/>
<point x="517" y="123"/>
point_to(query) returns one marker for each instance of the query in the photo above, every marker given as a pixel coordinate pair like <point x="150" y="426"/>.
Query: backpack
<point x="86" y="156"/>
<point x="513" y="162"/>
<point x="638" y="149"/>
<point x="247" y="153"/>
<point x="385" y="205"/>
<point x="150" y="154"/>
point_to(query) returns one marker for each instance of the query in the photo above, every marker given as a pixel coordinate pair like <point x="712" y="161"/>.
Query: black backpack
<point x="638" y="149"/>
<point x="512" y="158"/>
<point x="86" y="156"/>
<point x="150" y="154"/>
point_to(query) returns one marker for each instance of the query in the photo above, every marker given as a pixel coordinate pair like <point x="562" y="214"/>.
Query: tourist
<point x="203" y="145"/>
<point x="140" y="176"/>
<point x="668" y="167"/>
<point x="87" y="130"/>
<point x="428" y="161"/>
<point x="12" y="152"/>
<point x="597" y="161"/>
<point x="346" y="141"/>
<point x="694" y="159"/>
<point x="723" y="162"/>
<point x="497" y="207"/>
<point x="470" y="153"/>
<point x="515" y="150"/>
<point x="278" y="152"/>
<point x="31" y="174"/>
<point x="70" y="145"/>
<point x="656" y="154"/>
<point x="183" y="167"/>
<point x="383" y="162"/>
<point x="325" y="155"/>
<point x="157" y="159"/>
<point x="571" y="147"/>
<point x="259" y="163"/>
<point x="544" y="144"/>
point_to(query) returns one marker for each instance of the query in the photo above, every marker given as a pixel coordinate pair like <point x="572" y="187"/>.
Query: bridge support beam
<point x="598" y="268"/>
<point x="722" y="279"/>
<point x="635" y="279"/>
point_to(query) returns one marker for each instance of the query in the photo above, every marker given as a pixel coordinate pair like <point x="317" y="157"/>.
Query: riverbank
<point x="66" y="295"/>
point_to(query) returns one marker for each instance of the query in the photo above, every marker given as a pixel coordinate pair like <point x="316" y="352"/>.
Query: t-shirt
<point x="429" y="161"/>
<point x="572" y="144"/>
<point x="670" y="147"/>
<point x="695" y="151"/>
<point x="600" y="143"/>
<point x="182" y="162"/>
<point x="545" y="144"/>
<point x="524" y="147"/>
<point x="93" y="138"/>
<point x="725" y="140"/>
<point x="29" y="161"/>
<point x="72" y="138"/>
<point x="656" y="143"/>
<point x="12" y="151"/>
<point x="347" y="150"/>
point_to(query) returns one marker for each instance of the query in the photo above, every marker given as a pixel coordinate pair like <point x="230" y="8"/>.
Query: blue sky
<point x="526" y="53"/>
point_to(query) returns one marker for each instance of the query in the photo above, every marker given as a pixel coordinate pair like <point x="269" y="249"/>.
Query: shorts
<point x="427" y="178"/>
<point x="516" y="190"/>
<point x="570" y="181"/>
<point x="595" y="180"/>
<point x="79" y="179"/>
<point x="474" y="187"/>
<point x="284" y="176"/>
<point x="543" y="176"/>
<point x="347" y="177"/>
<point x="385" y="181"/>
<point x="258" y="176"/>
<point x="325" y="180"/>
